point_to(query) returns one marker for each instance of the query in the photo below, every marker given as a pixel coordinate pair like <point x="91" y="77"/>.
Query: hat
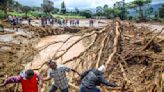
<point x="102" y="68"/>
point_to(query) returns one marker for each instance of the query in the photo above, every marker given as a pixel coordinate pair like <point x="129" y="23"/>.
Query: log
<point x="83" y="51"/>
<point x="87" y="35"/>
<point x="74" y="86"/>
<point x="124" y="74"/>
<point x="145" y="47"/>
<point x="122" y="59"/>
<point x="101" y="50"/>
<point x="115" y="44"/>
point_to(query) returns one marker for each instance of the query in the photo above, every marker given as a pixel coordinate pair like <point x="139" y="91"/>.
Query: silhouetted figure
<point x="1" y="28"/>
<point x="42" y="21"/>
<point x="29" y="20"/>
<point x="14" y="23"/>
<point x="91" y="22"/>
<point x="78" y="22"/>
<point x="10" y="19"/>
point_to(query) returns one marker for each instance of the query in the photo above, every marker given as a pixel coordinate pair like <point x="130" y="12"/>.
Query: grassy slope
<point x="68" y="16"/>
<point x="37" y="14"/>
<point x="2" y="15"/>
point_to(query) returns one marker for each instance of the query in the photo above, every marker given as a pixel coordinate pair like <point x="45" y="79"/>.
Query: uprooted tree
<point x="132" y="55"/>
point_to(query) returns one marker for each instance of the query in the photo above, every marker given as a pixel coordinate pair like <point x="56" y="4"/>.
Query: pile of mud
<point x="49" y="30"/>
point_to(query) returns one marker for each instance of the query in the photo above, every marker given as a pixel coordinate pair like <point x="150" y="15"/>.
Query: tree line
<point x="119" y="9"/>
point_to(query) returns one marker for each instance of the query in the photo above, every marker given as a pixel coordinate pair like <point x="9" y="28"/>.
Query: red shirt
<point x="19" y="79"/>
<point x="30" y="85"/>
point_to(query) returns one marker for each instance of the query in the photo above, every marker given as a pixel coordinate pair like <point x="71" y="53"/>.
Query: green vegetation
<point x="162" y="20"/>
<point x="35" y="14"/>
<point x="26" y="9"/>
<point x="112" y="13"/>
<point x="63" y="8"/>
<point x="149" y="12"/>
<point x="46" y="9"/>
<point x="48" y="6"/>
<point x="5" y="4"/>
<point x="119" y="9"/>
<point x="86" y="13"/>
<point x="69" y="16"/>
<point x="161" y="12"/>
<point x="30" y="14"/>
<point x="140" y="4"/>
<point x="2" y="15"/>
<point x="39" y="14"/>
<point x="99" y="11"/>
<point x="14" y="13"/>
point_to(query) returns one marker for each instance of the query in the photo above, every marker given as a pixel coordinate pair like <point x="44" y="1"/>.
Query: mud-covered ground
<point x="24" y="49"/>
<point x="19" y="49"/>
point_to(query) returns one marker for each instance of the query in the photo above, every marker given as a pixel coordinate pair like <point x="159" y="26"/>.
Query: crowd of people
<point x="32" y="81"/>
<point x="14" y="21"/>
<point x="74" y="22"/>
<point x="44" y="21"/>
<point x="62" y="22"/>
<point x="47" y="20"/>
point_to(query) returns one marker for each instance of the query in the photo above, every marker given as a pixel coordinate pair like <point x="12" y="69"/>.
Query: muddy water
<point x="47" y="53"/>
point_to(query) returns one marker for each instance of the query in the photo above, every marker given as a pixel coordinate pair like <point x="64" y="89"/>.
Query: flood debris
<point x="133" y="56"/>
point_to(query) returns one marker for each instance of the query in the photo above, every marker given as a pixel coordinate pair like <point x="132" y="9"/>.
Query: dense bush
<point x="86" y="13"/>
<point x="36" y="14"/>
<point x="2" y="15"/>
<point x="161" y="12"/>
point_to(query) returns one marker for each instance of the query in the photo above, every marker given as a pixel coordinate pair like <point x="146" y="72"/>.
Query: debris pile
<point x="133" y="56"/>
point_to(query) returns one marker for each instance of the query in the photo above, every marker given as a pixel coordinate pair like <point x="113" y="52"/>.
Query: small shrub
<point x="2" y="15"/>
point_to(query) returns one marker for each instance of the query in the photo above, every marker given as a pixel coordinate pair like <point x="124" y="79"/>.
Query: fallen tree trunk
<point x="115" y="44"/>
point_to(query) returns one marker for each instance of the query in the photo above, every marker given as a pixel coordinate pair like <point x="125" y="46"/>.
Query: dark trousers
<point x="85" y="89"/>
<point x="54" y="89"/>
